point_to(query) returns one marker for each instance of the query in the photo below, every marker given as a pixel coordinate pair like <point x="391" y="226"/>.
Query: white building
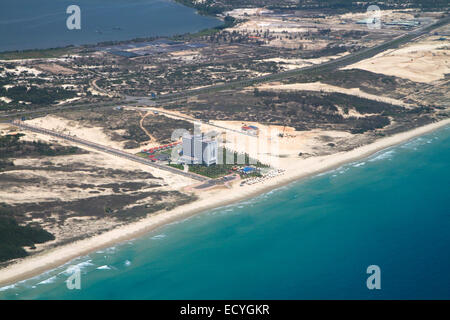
<point x="198" y="149"/>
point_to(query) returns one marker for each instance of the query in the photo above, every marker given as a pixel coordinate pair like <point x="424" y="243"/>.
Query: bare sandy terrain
<point x="39" y="182"/>
<point x="73" y="128"/>
<point x="386" y="15"/>
<point x="425" y="61"/>
<point x="103" y="160"/>
<point x="81" y="195"/>
<point x="280" y="146"/>
<point x="214" y="198"/>
<point x="55" y="68"/>
<point x="289" y="64"/>
<point x="5" y="99"/>
<point x="20" y="69"/>
<point x="302" y="25"/>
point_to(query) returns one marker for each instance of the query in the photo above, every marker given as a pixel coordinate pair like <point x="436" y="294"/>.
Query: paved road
<point x="109" y="150"/>
<point x="326" y="66"/>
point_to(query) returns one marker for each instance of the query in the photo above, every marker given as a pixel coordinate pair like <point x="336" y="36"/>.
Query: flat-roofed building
<point x="198" y="149"/>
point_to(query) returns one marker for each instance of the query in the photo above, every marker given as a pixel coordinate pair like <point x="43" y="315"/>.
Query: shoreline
<point x="45" y="261"/>
<point x="222" y="24"/>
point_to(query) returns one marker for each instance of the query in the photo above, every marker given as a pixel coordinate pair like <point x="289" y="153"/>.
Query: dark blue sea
<point x="31" y="24"/>
<point x="313" y="239"/>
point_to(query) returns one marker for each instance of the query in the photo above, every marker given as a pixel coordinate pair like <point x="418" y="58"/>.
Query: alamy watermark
<point x="373" y="20"/>
<point x="73" y="22"/>
<point x="374" y="280"/>
<point x="73" y="282"/>
<point x="232" y="146"/>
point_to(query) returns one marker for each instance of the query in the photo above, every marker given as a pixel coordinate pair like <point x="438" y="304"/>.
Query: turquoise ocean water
<point x="311" y="239"/>
<point x="31" y="24"/>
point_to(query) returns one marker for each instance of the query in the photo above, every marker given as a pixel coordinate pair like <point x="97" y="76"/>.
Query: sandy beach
<point x="295" y="170"/>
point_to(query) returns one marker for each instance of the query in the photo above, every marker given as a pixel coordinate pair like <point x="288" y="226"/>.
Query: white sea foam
<point x="328" y="172"/>
<point x="387" y="155"/>
<point x="159" y="236"/>
<point x="82" y="265"/>
<point x="359" y="164"/>
<point x="127" y="263"/>
<point x="414" y="144"/>
<point x="105" y="267"/>
<point x="8" y="287"/>
<point x="48" y="281"/>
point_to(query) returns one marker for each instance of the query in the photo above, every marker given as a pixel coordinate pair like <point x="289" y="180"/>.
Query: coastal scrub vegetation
<point x="35" y="53"/>
<point x="5" y="164"/>
<point x="129" y="123"/>
<point x="13" y="237"/>
<point x="370" y="82"/>
<point x="302" y="110"/>
<point x="35" y="95"/>
<point x="11" y="146"/>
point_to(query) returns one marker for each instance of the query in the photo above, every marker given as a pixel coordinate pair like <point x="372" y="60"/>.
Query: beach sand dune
<point x="295" y="170"/>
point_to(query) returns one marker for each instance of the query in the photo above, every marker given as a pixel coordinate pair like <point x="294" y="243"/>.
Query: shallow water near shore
<point x="313" y="239"/>
<point x="30" y="24"/>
